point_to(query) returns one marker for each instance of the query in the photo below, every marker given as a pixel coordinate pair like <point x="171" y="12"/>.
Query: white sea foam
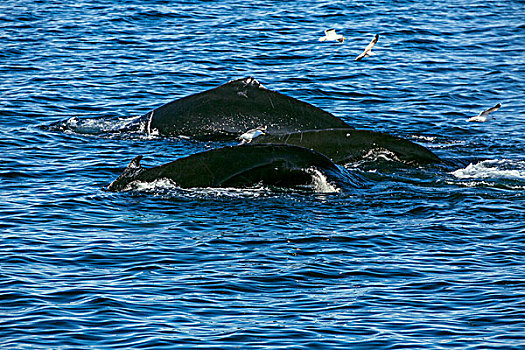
<point x="424" y="138"/>
<point x="381" y="154"/>
<point x="321" y="183"/>
<point x="471" y="183"/>
<point x="159" y="184"/>
<point x="96" y="125"/>
<point x="374" y="155"/>
<point x="151" y="135"/>
<point x="435" y="142"/>
<point x="228" y="192"/>
<point x="166" y="186"/>
<point x="492" y="169"/>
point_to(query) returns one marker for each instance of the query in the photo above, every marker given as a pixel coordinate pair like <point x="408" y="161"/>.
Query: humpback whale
<point x="227" y="111"/>
<point x="345" y="145"/>
<point x="233" y="166"/>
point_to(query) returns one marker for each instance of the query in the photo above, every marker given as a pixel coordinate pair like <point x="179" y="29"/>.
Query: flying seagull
<point x="330" y="34"/>
<point x="368" y="51"/>
<point x="483" y="116"/>
<point x="249" y="135"/>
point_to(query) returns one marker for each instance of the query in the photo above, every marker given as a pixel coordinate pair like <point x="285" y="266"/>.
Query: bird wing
<point x="368" y="48"/>
<point x="360" y="57"/>
<point x="490" y="110"/>
<point x="331" y="30"/>
<point x="494" y="109"/>
<point x="372" y="43"/>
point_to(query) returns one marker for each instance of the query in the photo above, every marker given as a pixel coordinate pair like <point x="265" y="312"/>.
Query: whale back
<point x="230" y="109"/>
<point x="343" y="146"/>
<point x="234" y="166"/>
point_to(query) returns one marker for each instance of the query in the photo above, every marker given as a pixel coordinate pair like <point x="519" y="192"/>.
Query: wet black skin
<point x="346" y="145"/>
<point x="233" y="166"/>
<point x="229" y="110"/>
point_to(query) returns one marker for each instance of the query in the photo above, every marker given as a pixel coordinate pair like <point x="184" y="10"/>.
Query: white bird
<point x="249" y="135"/>
<point x="483" y="116"/>
<point x="330" y="34"/>
<point x="368" y="50"/>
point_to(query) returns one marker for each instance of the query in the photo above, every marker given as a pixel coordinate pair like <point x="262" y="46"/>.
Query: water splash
<point x="165" y="186"/>
<point x="92" y="126"/>
<point x="320" y="182"/>
<point x="492" y="169"/>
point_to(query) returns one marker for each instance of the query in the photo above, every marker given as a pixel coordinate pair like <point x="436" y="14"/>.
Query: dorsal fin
<point x="135" y="163"/>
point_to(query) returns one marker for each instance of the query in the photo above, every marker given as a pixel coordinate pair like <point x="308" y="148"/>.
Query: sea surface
<point x="412" y="257"/>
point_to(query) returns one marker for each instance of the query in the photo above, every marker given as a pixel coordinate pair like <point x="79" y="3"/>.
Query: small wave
<point x="92" y="126"/>
<point x="492" y="169"/>
<point x="445" y="144"/>
<point x="225" y="192"/>
<point x="472" y="184"/>
<point x="424" y="138"/>
<point x="169" y="189"/>
<point x="486" y="184"/>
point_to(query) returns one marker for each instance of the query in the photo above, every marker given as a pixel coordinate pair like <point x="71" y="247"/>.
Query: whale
<point x="227" y="111"/>
<point x="347" y="145"/>
<point x="233" y="166"/>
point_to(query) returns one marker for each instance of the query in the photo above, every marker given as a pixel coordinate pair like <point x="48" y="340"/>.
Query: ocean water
<point x="412" y="257"/>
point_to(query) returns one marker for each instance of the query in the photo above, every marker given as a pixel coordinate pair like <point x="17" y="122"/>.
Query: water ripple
<point x="428" y="257"/>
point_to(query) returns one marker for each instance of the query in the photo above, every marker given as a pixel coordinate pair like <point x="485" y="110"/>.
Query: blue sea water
<point x="415" y="257"/>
